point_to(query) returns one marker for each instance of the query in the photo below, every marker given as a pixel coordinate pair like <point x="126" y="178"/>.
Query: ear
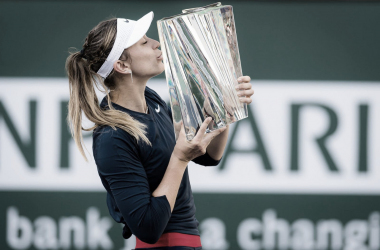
<point x="122" y="67"/>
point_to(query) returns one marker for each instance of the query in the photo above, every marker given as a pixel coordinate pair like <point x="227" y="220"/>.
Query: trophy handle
<point x="185" y="11"/>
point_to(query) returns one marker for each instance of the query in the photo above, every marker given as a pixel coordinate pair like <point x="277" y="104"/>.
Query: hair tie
<point x="82" y="53"/>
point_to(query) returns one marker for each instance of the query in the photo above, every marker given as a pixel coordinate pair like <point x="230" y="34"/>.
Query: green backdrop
<point x="277" y="40"/>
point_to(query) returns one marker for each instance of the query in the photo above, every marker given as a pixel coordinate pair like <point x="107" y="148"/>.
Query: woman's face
<point x="146" y="58"/>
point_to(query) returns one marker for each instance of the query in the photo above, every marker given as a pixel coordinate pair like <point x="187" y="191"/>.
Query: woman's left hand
<point x="244" y="89"/>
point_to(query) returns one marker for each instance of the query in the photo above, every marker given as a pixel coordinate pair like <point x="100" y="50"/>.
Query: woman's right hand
<point x="186" y="150"/>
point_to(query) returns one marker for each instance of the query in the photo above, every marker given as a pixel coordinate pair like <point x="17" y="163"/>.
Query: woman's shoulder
<point x="107" y="141"/>
<point x="108" y="135"/>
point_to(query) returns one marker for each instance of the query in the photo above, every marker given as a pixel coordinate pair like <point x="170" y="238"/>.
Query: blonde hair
<point x="81" y="70"/>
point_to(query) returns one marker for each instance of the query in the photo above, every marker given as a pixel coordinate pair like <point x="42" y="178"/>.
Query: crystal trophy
<point x="202" y="64"/>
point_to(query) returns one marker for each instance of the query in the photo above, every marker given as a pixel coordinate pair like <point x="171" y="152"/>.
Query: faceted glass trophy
<point x="202" y="64"/>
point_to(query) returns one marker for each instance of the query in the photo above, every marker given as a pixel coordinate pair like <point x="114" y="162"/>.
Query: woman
<point x="140" y="163"/>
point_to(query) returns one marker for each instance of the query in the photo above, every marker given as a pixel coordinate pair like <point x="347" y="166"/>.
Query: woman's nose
<point x="158" y="44"/>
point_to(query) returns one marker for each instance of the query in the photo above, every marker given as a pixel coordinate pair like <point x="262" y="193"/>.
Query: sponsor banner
<point x="300" y="137"/>
<point x="80" y="220"/>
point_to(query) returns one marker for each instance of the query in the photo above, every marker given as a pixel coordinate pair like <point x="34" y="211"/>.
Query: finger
<point x="210" y="136"/>
<point x="182" y="129"/>
<point x="244" y="86"/>
<point x="247" y="100"/>
<point x="203" y="127"/>
<point x="177" y="124"/>
<point x="244" y="79"/>
<point x="179" y="130"/>
<point x="246" y="93"/>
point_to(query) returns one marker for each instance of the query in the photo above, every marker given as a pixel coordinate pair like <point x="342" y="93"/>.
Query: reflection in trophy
<point x="202" y="64"/>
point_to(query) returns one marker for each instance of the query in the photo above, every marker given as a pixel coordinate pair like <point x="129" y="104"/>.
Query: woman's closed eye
<point x="145" y="42"/>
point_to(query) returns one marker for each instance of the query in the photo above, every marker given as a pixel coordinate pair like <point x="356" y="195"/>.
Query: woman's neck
<point x="130" y="96"/>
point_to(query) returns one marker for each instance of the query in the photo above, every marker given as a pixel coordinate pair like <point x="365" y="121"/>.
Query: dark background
<point x="305" y="40"/>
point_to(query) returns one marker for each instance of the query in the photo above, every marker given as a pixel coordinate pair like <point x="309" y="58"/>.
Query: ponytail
<point x="82" y="80"/>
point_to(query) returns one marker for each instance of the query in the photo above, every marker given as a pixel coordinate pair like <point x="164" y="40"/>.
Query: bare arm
<point x="216" y="147"/>
<point x="184" y="152"/>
